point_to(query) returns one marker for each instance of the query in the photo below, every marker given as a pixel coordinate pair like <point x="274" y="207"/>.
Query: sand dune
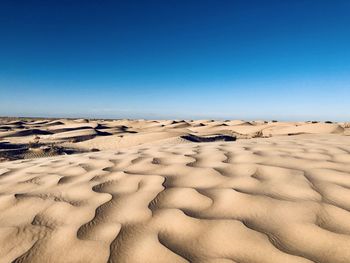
<point x="86" y="135"/>
<point x="159" y="197"/>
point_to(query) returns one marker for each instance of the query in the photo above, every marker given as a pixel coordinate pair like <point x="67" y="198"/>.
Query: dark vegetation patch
<point x="212" y="138"/>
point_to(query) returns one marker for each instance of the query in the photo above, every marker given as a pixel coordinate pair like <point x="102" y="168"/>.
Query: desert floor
<point x="174" y="191"/>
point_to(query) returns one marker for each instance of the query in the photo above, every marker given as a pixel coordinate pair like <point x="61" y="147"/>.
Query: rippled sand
<point x="279" y="199"/>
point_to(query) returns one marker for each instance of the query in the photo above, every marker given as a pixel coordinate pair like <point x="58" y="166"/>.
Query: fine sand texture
<point x="198" y="191"/>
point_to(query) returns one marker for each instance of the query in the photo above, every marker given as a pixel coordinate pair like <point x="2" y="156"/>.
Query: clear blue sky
<point x="176" y="59"/>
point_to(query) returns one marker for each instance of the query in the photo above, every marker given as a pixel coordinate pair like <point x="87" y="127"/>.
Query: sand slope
<point x="264" y="200"/>
<point x="28" y="138"/>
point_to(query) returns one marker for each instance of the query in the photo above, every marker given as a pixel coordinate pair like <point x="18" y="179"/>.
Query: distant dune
<point x="38" y="138"/>
<point x="174" y="191"/>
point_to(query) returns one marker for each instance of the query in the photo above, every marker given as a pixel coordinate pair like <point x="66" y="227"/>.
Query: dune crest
<point x="30" y="138"/>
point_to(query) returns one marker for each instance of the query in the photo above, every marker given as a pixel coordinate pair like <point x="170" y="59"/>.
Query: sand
<point x="154" y="196"/>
